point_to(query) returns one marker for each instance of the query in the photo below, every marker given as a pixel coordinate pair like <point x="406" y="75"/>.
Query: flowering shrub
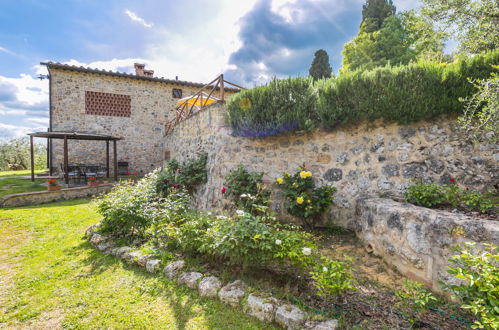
<point x="246" y="189"/>
<point x="434" y="194"/>
<point x="302" y="199"/>
<point x="52" y="183"/>
<point x="187" y="175"/>
<point x="92" y="179"/>
<point x="331" y="277"/>
<point x="128" y="209"/>
<point x="478" y="271"/>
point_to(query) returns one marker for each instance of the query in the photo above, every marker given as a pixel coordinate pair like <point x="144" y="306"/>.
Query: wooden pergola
<point x="75" y="136"/>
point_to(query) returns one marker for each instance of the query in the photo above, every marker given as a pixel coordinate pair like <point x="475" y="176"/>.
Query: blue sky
<point x="251" y="41"/>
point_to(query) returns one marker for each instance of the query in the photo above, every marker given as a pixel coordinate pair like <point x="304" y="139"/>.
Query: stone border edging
<point x="45" y="196"/>
<point x="264" y="307"/>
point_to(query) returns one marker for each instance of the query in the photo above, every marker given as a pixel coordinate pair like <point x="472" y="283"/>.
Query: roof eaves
<point x="62" y="66"/>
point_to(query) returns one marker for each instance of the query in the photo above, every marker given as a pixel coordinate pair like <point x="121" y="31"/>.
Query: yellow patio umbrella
<point x="203" y="99"/>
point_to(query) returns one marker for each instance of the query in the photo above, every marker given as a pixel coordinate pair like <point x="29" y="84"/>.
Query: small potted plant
<point x="92" y="181"/>
<point x="52" y="185"/>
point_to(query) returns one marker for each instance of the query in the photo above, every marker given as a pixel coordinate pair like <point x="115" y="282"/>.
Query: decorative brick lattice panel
<point x="107" y="104"/>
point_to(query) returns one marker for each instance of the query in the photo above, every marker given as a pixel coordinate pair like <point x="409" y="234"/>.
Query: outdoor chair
<point x="72" y="174"/>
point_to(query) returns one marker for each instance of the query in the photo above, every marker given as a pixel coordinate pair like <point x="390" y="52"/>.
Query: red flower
<point x="452" y="180"/>
<point x="176" y="185"/>
<point x="51" y="181"/>
<point x="223" y="190"/>
<point x="165" y="181"/>
<point x="92" y="178"/>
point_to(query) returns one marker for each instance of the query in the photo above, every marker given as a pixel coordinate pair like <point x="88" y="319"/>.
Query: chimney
<point x="140" y="71"/>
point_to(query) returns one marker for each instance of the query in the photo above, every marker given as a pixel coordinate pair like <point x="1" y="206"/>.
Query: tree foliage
<point x="388" y="45"/>
<point x="481" y="112"/>
<point x="476" y="22"/>
<point x="389" y="38"/>
<point x="320" y="67"/>
<point x="374" y="13"/>
<point x="15" y="155"/>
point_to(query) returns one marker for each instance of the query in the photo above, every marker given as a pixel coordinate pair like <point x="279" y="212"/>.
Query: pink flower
<point x="223" y="190"/>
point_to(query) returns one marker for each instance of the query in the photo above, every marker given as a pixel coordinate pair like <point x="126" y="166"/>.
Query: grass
<point x="53" y="278"/>
<point x="14" y="185"/>
<point x="18" y="173"/>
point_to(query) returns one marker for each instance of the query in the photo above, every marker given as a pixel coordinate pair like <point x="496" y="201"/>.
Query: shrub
<point x="478" y="271"/>
<point x="187" y="175"/>
<point x="331" y="277"/>
<point x="302" y="199"/>
<point x="246" y="189"/>
<point x="401" y="94"/>
<point x="414" y="295"/>
<point x="129" y="209"/>
<point x="278" y="107"/>
<point x="434" y="194"/>
<point x="425" y="194"/>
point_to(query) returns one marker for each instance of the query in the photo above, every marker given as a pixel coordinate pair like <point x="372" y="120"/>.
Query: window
<point x="177" y="93"/>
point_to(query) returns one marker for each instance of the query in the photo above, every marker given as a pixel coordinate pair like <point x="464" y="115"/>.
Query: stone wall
<point x="368" y="160"/>
<point x="152" y="106"/>
<point x="42" y="197"/>
<point x="417" y="240"/>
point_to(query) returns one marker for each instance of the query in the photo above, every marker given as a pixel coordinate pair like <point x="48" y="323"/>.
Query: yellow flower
<point x="257" y="236"/>
<point x="299" y="200"/>
<point x="308" y="201"/>
<point x="286" y="175"/>
<point x="279" y="180"/>
<point x="305" y="174"/>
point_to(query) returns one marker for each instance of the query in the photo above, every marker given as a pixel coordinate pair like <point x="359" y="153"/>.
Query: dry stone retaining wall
<point x="363" y="161"/>
<point x="418" y="240"/>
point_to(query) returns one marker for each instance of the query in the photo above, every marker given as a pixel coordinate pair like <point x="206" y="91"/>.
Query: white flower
<point x="278" y="242"/>
<point x="209" y="213"/>
<point x="306" y="251"/>
<point x="324" y="269"/>
<point x="240" y="213"/>
<point x="243" y="196"/>
<point x="221" y="217"/>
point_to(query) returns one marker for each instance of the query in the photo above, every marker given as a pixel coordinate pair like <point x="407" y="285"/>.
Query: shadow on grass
<point x="183" y="302"/>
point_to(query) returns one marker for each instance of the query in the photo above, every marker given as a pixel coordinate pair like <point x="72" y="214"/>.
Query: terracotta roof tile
<point x="62" y="66"/>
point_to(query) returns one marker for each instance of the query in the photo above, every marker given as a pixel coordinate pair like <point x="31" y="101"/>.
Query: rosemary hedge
<point x="401" y="94"/>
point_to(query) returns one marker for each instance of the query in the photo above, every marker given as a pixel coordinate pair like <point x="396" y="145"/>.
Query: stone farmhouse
<point x="135" y="107"/>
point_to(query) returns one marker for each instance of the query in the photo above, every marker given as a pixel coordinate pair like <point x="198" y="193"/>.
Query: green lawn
<point x="18" y="173"/>
<point x="15" y="185"/>
<point x="50" y="277"/>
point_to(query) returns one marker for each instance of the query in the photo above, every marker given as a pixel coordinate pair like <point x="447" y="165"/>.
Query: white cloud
<point x="5" y="50"/>
<point x="136" y="18"/>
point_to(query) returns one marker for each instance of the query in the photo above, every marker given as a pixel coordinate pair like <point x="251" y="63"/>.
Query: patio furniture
<point x="71" y="174"/>
<point x="75" y="136"/>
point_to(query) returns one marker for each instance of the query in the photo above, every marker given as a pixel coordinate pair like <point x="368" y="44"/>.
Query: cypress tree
<point x="374" y="13"/>
<point x="320" y="67"/>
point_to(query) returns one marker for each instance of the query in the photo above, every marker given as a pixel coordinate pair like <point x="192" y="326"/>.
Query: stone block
<point x="172" y="270"/>
<point x="209" y="286"/>
<point x="152" y="266"/>
<point x="189" y="279"/>
<point x="232" y="293"/>
<point x="290" y="317"/>
<point x="262" y="308"/>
